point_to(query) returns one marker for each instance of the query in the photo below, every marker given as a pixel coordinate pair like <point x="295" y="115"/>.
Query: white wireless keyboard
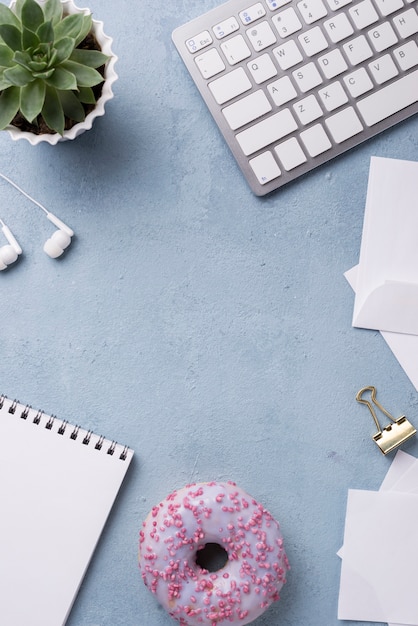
<point x="292" y="84"/>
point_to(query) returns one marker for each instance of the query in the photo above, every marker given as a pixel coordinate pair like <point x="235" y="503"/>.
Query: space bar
<point x="389" y="100"/>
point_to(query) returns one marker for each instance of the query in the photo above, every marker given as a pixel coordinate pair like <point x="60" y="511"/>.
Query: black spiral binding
<point x="16" y="406"/>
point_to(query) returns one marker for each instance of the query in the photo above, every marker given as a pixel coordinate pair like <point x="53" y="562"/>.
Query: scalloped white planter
<point x="110" y="76"/>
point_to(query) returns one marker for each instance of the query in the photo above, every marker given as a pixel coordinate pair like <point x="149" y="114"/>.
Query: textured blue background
<point x="205" y="327"/>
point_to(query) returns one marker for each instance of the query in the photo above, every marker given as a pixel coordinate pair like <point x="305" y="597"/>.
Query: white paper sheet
<point x="399" y="476"/>
<point x="56" y="491"/>
<point x="387" y="281"/>
<point x="380" y="565"/>
<point x="403" y="346"/>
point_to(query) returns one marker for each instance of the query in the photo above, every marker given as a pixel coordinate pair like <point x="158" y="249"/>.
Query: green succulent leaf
<point x="86" y="95"/>
<point x="62" y="79"/>
<point x="29" y="39"/>
<point x="4" y="84"/>
<point x="86" y="76"/>
<point x="32" y="15"/>
<point x="18" y="76"/>
<point x="11" y="36"/>
<point x="9" y="105"/>
<point x="8" y="17"/>
<point x="52" y="110"/>
<point x="85" y="29"/>
<point x="70" y="26"/>
<point x="46" y="32"/>
<point x="32" y="98"/>
<point x="91" y="58"/>
<point x="18" y="8"/>
<point x="6" y="56"/>
<point x="23" y="58"/>
<point x="52" y="11"/>
<point x="72" y="106"/>
<point x="64" y="48"/>
<point x="44" y="74"/>
<point x="38" y="68"/>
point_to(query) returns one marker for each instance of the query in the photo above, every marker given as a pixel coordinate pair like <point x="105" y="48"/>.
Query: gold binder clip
<point x="393" y="435"/>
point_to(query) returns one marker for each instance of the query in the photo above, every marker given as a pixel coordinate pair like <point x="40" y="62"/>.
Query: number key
<point x="235" y="49"/>
<point x="287" y="22"/>
<point x="261" y="36"/>
<point x="312" y="10"/>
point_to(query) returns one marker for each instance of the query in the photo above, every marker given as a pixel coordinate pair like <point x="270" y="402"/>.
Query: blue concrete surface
<point x="205" y="327"/>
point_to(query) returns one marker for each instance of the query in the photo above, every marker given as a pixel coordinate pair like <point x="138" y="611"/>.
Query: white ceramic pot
<point x="110" y="76"/>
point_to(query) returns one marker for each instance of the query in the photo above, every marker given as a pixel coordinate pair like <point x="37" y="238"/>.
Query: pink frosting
<point x="221" y="513"/>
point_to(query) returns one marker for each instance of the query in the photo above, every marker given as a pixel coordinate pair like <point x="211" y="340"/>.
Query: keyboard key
<point x="313" y="41"/>
<point x="273" y="5"/>
<point x="386" y="7"/>
<point x="390" y="99"/>
<point x="333" y="96"/>
<point x="406" y="23"/>
<point x="334" y="5"/>
<point x="252" y="14"/>
<point x="199" y="42"/>
<point x="247" y="109"/>
<point x="235" y="49"/>
<point x="363" y="14"/>
<point x="344" y="125"/>
<point x="358" y="50"/>
<point x="265" y="167"/>
<point x="282" y="90"/>
<point x="230" y="85"/>
<point x="266" y="132"/>
<point x="315" y="140"/>
<point x="287" y="22"/>
<point x="312" y="10"/>
<point x="307" y="77"/>
<point x="406" y="56"/>
<point x="338" y="27"/>
<point x="210" y="63"/>
<point x="290" y="154"/>
<point x="332" y="64"/>
<point x="382" y="37"/>
<point x="262" y="68"/>
<point x="288" y="55"/>
<point x="226" y="27"/>
<point x="308" y="109"/>
<point x="261" y="36"/>
<point x="358" y="82"/>
<point x="383" y="69"/>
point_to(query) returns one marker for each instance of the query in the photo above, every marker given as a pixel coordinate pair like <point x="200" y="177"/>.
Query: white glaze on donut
<point x="183" y="524"/>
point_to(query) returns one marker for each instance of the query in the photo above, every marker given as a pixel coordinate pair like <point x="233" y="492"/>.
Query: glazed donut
<point x="186" y="524"/>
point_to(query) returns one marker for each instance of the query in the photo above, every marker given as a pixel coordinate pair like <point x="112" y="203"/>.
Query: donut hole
<point x="212" y="557"/>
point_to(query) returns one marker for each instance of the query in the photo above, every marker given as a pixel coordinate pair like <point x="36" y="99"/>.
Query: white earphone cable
<point x="24" y="193"/>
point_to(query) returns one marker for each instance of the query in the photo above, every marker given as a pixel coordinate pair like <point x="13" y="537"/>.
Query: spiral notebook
<point x="58" y="483"/>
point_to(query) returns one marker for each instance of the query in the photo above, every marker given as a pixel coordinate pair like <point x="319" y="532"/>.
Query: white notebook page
<point x="56" y="494"/>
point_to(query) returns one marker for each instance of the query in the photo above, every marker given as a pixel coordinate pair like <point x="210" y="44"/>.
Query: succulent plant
<point x="44" y="73"/>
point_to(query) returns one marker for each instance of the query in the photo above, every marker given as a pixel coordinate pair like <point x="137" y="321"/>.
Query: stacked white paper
<point x="386" y="279"/>
<point x="380" y="552"/>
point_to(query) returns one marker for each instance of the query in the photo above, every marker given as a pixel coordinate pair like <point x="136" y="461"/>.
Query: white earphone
<point x="9" y="252"/>
<point x="60" y="240"/>
<point x="55" y="245"/>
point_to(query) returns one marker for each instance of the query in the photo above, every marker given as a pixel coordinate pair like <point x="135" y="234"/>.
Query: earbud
<point x="53" y="247"/>
<point x="9" y="252"/>
<point x="60" y="240"/>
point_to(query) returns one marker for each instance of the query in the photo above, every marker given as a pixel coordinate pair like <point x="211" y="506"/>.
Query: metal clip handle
<point x="370" y="407"/>
<point x="395" y="433"/>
